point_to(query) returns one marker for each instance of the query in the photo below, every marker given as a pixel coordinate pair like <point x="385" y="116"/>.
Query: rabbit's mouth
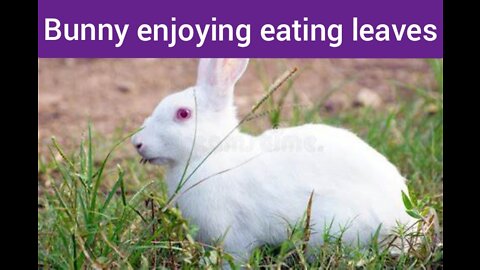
<point x="157" y="160"/>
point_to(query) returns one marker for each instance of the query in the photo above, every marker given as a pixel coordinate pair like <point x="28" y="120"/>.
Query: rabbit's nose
<point x="138" y="145"/>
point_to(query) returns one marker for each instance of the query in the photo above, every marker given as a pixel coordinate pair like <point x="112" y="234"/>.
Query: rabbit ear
<point x="217" y="77"/>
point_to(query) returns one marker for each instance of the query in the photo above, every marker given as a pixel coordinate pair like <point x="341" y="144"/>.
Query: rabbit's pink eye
<point x="183" y="114"/>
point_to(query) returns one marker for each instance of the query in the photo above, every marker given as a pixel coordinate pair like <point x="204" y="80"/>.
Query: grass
<point x="99" y="208"/>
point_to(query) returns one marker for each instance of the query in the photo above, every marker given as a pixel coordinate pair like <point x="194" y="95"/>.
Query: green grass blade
<point x="100" y="171"/>
<point x="112" y="192"/>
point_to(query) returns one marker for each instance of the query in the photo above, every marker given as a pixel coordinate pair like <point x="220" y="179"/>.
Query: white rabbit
<point x="255" y="185"/>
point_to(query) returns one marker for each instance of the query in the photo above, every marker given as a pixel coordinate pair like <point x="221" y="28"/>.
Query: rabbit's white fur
<point x="258" y="184"/>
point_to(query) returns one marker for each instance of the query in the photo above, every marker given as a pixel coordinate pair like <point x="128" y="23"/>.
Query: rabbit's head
<point x="167" y="135"/>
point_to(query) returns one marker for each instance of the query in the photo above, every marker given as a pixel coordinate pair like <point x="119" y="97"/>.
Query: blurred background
<point x="120" y="93"/>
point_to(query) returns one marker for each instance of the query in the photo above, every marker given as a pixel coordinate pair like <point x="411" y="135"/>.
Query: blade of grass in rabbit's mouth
<point x="155" y="160"/>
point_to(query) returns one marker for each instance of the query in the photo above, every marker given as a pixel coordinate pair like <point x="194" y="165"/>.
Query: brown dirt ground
<point x="116" y="93"/>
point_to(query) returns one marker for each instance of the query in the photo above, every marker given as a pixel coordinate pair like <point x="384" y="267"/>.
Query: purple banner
<point x="247" y="28"/>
